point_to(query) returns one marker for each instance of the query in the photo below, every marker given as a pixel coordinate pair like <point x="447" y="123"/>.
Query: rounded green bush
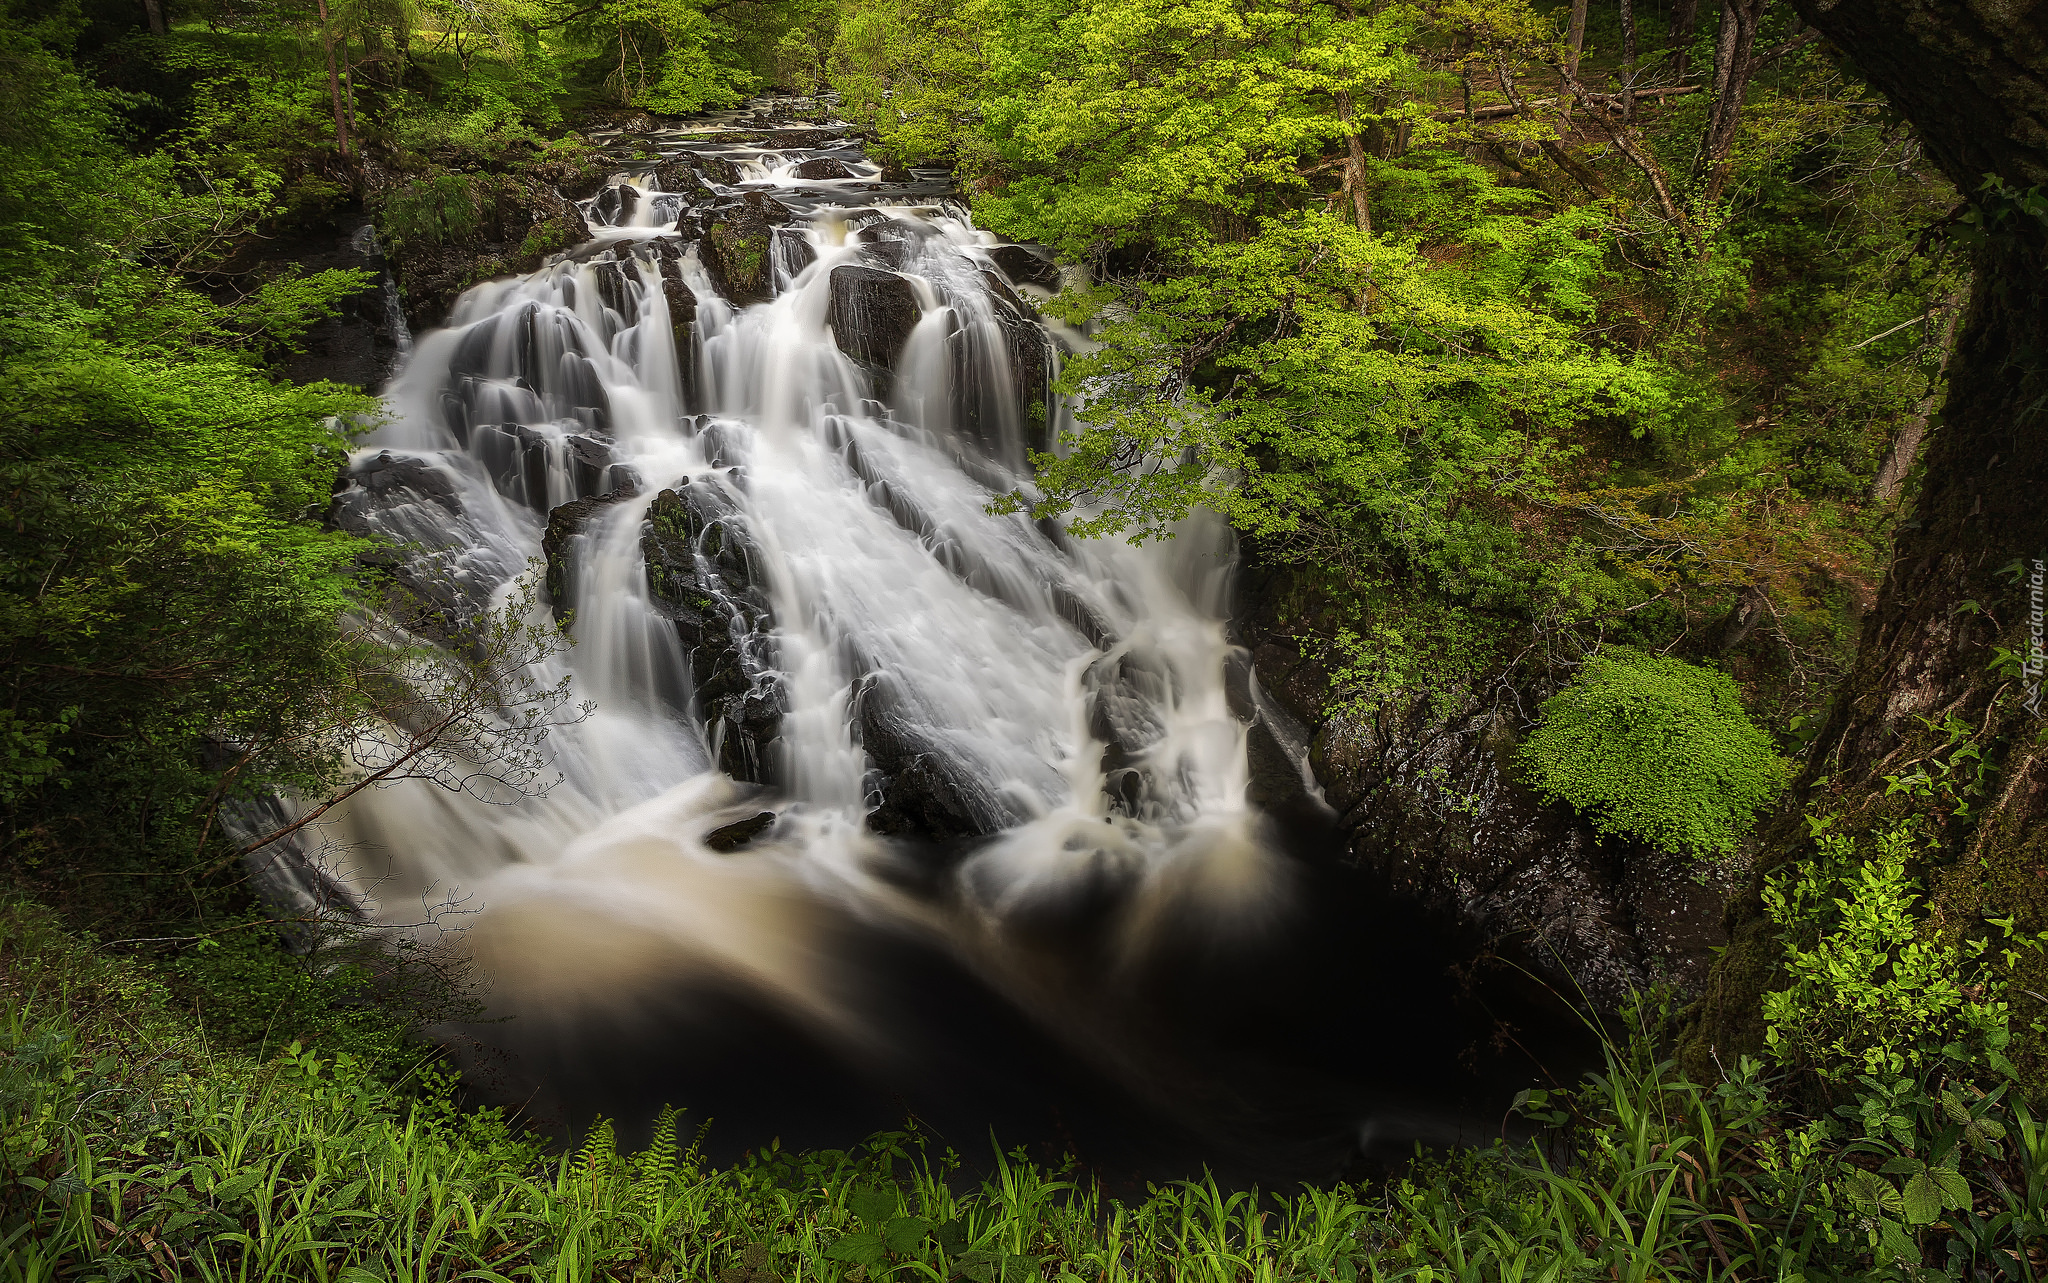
<point x="1655" y="748"/>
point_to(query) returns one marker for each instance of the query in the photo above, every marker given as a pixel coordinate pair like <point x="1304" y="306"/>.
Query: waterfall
<point x="754" y="430"/>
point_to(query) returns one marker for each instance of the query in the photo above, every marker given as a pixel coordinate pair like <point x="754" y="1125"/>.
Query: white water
<point x="603" y="891"/>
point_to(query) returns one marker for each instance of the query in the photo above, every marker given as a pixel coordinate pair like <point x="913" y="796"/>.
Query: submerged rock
<point x="821" y="167"/>
<point x="731" y="837"/>
<point x="558" y="545"/>
<point x="872" y="313"/>
<point x="704" y="573"/>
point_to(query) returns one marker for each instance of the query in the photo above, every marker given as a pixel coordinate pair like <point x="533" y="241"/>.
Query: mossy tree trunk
<point x="1973" y="79"/>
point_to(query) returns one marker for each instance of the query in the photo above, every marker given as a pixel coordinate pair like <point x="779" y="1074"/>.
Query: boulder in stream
<point x="731" y="837"/>
<point x="872" y="313"/>
<point x="558" y="545"/>
<point x="917" y="786"/>
<point x="1026" y="265"/>
<point x="736" y="245"/>
<point x="704" y="573"/>
<point x="821" y="167"/>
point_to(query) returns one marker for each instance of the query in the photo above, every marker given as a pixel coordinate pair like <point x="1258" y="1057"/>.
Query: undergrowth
<point x="133" y="1149"/>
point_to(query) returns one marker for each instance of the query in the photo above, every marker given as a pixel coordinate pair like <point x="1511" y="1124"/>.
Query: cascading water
<point x="754" y="429"/>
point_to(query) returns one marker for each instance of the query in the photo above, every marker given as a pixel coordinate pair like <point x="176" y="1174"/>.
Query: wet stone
<point x="704" y="574"/>
<point x="1026" y="266"/>
<point x="731" y="837"/>
<point x="822" y="167"/>
<point x="558" y="545"/>
<point x="872" y="313"/>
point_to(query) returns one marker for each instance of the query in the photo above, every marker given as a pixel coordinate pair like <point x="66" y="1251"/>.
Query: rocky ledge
<point x="1426" y="796"/>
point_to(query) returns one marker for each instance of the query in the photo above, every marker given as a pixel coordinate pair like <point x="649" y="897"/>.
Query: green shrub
<point x="1874" y="991"/>
<point x="431" y="211"/>
<point x="1655" y="748"/>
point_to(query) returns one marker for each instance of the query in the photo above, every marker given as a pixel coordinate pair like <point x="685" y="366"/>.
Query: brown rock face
<point x="448" y="232"/>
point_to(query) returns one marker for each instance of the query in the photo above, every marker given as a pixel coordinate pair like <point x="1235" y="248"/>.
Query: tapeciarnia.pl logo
<point x="2037" y="652"/>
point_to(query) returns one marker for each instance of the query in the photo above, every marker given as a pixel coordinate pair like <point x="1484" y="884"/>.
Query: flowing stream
<point x="996" y="776"/>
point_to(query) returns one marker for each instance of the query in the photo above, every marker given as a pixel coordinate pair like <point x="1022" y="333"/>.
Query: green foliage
<point x="433" y="211"/>
<point x="1655" y="748"/>
<point x="1875" y="990"/>
<point x="130" y="1148"/>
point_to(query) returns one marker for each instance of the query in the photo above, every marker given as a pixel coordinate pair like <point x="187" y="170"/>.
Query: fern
<point x="656" y="1166"/>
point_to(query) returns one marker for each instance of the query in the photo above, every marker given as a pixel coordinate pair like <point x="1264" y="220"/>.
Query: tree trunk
<point x="1734" y="63"/>
<point x="1575" y="44"/>
<point x="1905" y="447"/>
<point x="1685" y="15"/>
<point x="155" y="10"/>
<point x="1628" y="43"/>
<point x="1974" y="83"/>
<point x="334" y="83"/>
<point x="1354" y="165"/>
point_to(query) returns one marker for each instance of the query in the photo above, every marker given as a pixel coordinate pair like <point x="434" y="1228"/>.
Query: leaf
<point x="872" y="1206"/>
<point x="236" y="1186"/>
<point x="1895" y="1244"/>
<point x="862" y="1249"/>
<point x="904" y="1233"/>
<point x="1949" y="1183"/>
<point x="1985" y="1133"/>
<point x="1923" y="1200"/>
<point x="1869" y="1190"/>
<point x="981" y="1267"/>
<point x="952" y="1236"/>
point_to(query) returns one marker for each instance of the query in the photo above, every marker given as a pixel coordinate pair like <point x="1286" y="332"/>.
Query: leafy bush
<point x="1874" y="991"/>
<point x="1655" y="748"/>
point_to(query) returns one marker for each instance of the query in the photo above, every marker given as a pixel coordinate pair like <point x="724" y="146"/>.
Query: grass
<point x="131" y="1149"/>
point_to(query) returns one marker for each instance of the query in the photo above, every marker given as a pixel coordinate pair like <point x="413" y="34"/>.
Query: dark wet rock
<point x="872" y="313"/>
<point x="1427" y="796"/>
<point x="914" y="784"/>
<point x="406" y="506"/>
<point x="358" y="343"/>
<point x="692" y="173"/>
<point x="736" y="244"/>
<point x="1125" y="693"/>
<point x="590" y="464"/>
<point x="379" y="476"/>
<point x="793" y="251"/>
<point x="731" y="837"/>
<point x="614" y="205"/>
<point x="447" y="233"/>
<point x="559" y="544"/>
<point x="682" y="317"/>
<point x="1002" y="385"/>
<point x="890" y="254"/>
<point x="704" y="573"/>
<point x="792" y="139"/>
<point x="1026" y="266"/>
<point x="819" y="168"/>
